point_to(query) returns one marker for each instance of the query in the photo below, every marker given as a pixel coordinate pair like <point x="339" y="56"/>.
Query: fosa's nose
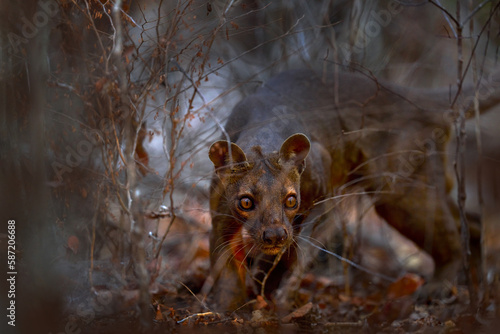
<point x="274" y="235"/>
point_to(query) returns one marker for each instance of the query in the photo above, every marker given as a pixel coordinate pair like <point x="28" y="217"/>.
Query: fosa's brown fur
<point x="296" y="141"/>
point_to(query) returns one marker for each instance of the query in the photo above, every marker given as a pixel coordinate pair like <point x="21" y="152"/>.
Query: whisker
<point x="246" y="255"/>
<point x="218" y="214"/>
<point x="233" y="255"/>
<point x="300" y="250"/>
<point x="229" y="249"/>
<point x="351" y="263"/>
<point x="352" y="195"/>
<point x="224" y="244"/>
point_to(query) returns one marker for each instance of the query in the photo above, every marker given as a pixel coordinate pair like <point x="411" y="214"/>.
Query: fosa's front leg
<point x="228" y="271"/>
<point x="229" y="289"/>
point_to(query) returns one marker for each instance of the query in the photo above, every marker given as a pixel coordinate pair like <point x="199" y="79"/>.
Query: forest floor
<point x="320" y="307"/>
<point x="324" y="300"/>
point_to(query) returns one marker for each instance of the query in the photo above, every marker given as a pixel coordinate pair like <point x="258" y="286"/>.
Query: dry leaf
<point x="405" y="286"/>
<point x="260" y="303"/>
<point x="159" y="315"/>
<point x="298" y="313"/>
<point x="73" y="243"/>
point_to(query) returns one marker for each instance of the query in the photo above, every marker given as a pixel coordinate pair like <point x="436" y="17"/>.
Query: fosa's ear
<point x="296" y="148"/>
<point x="219" y="155"/>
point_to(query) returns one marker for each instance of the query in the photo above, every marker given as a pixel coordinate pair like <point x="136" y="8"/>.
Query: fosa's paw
<point x="435" y="290"/>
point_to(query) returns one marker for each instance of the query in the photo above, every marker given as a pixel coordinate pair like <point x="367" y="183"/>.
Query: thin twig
<point x="96" y="32"/>
<point x="210" y="111"/>
<point x="353" y="264"/>
<point x="460" y="167"/>
<point x="464" y="72"/>
<point x="474" y="11"/>
<point x="92" y="243"/>
<point x="118" y="147"/>
<point x="275" y="263"/>
<point x="197" y="315"/>
<point x="134" y="205"/>
<point x="445" y="11"/>
<point x="196" y="297"/>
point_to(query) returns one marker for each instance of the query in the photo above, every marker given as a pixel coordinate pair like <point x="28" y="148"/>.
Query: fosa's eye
<point x="246" y="203"/>
<point x="291" y="202"/>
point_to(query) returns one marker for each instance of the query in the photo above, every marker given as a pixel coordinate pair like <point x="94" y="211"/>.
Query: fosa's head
<point x="263" y="192"/>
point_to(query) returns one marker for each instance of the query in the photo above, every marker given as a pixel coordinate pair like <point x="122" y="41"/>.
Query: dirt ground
<point x="323" y="299"/>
